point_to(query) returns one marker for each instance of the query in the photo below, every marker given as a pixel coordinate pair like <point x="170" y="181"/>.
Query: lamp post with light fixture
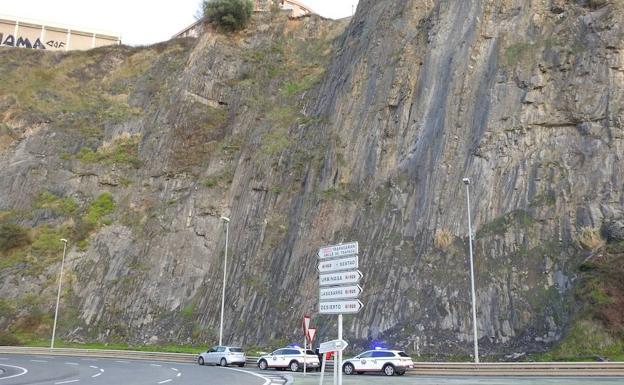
<point x="227" y="223"/>
<point x="58" y="294"/>
<point x="472" y="280"/>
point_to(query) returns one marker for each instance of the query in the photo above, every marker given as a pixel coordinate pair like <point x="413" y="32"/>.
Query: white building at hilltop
<point x="296" y="8"/>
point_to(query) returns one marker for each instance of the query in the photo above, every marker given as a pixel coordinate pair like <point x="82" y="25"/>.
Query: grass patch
<point x="442" y="239"/>
<point x="64" y="206"/>
<point x="13" y="236"/>
<point x="546" y="199"/>
<point x="590" y="239"/>
<point x="500" y="225"/>
<point x="123" y="150"/>
<point x="223" y="179"/>
<point x="586" y="340"/>
<point x="102" y="206"/>
<point x="47" y="241"/>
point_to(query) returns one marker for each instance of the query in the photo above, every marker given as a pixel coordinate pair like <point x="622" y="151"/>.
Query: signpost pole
<point x="335" y="367"/>
<point x="323" y="360"/>
<point x="305" y="353"/>
<point x="340" y="352"/>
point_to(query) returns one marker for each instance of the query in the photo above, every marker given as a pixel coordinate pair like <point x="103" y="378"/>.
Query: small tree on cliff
<point x="228" y="14"/>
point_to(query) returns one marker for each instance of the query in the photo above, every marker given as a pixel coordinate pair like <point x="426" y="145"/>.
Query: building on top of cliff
<point x="296" y="9"/>
<point x="36" y="34"/>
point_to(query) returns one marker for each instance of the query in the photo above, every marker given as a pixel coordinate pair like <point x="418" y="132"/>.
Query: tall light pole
<point x="472" y="281"/>
<point x="58" y="294"/>
<point x="227" y="224"/>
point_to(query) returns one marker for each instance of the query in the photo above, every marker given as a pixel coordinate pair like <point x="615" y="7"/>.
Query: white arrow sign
<point x="343" y="278"/>
<point x="340" y="292"/>
<point x="340" y="307"/>
<point x="333" y="346"/>
<point x="348" y="263"/>
<point x="341" y="250"/>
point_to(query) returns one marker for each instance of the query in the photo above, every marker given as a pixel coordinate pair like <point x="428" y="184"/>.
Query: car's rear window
<point x="403" y="354"/>
<point x="236" y="350"/>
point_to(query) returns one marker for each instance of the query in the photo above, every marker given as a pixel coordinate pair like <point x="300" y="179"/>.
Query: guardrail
<point x="420" y="368"/>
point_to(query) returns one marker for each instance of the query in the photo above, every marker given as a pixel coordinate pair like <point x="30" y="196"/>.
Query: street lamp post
<point x="472" y="281"/>
<point x="58" y="294"/>
<point x="227" y="223"/>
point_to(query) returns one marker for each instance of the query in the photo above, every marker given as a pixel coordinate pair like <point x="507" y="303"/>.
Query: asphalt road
<point x="59" y="370"/>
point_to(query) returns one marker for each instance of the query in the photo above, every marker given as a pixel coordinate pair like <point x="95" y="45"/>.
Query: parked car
<point x="389" y="362"/>
<point x="291" y="358"/>
<point x="222" y="355"/>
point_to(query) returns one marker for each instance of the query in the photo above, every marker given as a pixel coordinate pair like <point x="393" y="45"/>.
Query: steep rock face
<point x="303" y="143"/>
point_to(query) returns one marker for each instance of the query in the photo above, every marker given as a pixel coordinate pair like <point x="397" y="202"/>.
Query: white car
<point x="389" y="362"/>
<point x="291" y="358"/>
<point x="222" y="355"/>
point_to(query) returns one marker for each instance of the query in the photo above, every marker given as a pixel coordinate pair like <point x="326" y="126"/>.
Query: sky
<point x="138" y="21"/>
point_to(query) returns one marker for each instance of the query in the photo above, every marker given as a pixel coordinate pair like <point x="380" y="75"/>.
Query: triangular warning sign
<point x="311" y="334"/>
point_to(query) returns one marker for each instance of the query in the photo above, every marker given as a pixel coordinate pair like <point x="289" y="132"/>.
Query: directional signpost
<point x="333" y="346"/>
<point x="338" y="294"/>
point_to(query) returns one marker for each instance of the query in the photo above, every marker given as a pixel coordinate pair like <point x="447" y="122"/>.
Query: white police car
<point x="289" y="357"/>
<point x="389" y="362"/>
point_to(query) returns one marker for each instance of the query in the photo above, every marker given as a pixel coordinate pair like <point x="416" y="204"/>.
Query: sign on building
<point x="34" y="34"/>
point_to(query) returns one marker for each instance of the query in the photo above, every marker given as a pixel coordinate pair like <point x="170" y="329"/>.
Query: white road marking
<point x="24" y="371"/>
<point x="155" y="365"/>
<point x="65" y="382"/>
<point x="266" y="382"/>
<point x="101" y="370"/>
<point x="96" y="374"/>
<point x="71" y="363"/>
<point x="122" y="362"/>
<point x="93" y="367"/>
<point x="178" y="375"/>
<point x="38" y="361"/>
<point x="165" y="381"/>
<point x="174" y="369"/>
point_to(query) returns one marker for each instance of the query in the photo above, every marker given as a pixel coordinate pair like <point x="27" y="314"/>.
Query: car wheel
<point x="263" y="365"/>
<point x="200" y="360"/>
<point x="348" y="369"/>
<point x="241" y="365"/>
<point x="223" y="362"/>
<point x="388" y="370"/>
<point x="294" y="366"/>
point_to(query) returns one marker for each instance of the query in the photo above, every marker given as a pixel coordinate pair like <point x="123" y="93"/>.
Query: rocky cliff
<point x="308" y="132"/>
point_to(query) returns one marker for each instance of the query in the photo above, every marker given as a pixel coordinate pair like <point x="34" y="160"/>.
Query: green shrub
<point x="12" y="235"/>
<point x="7" y="339"/>
<point x="64" y="206"/>
<point x="228" y="14"/>
<point x="123" y="150"/>
<point x="47" y="241"/>
<point x="100" y="207"/>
